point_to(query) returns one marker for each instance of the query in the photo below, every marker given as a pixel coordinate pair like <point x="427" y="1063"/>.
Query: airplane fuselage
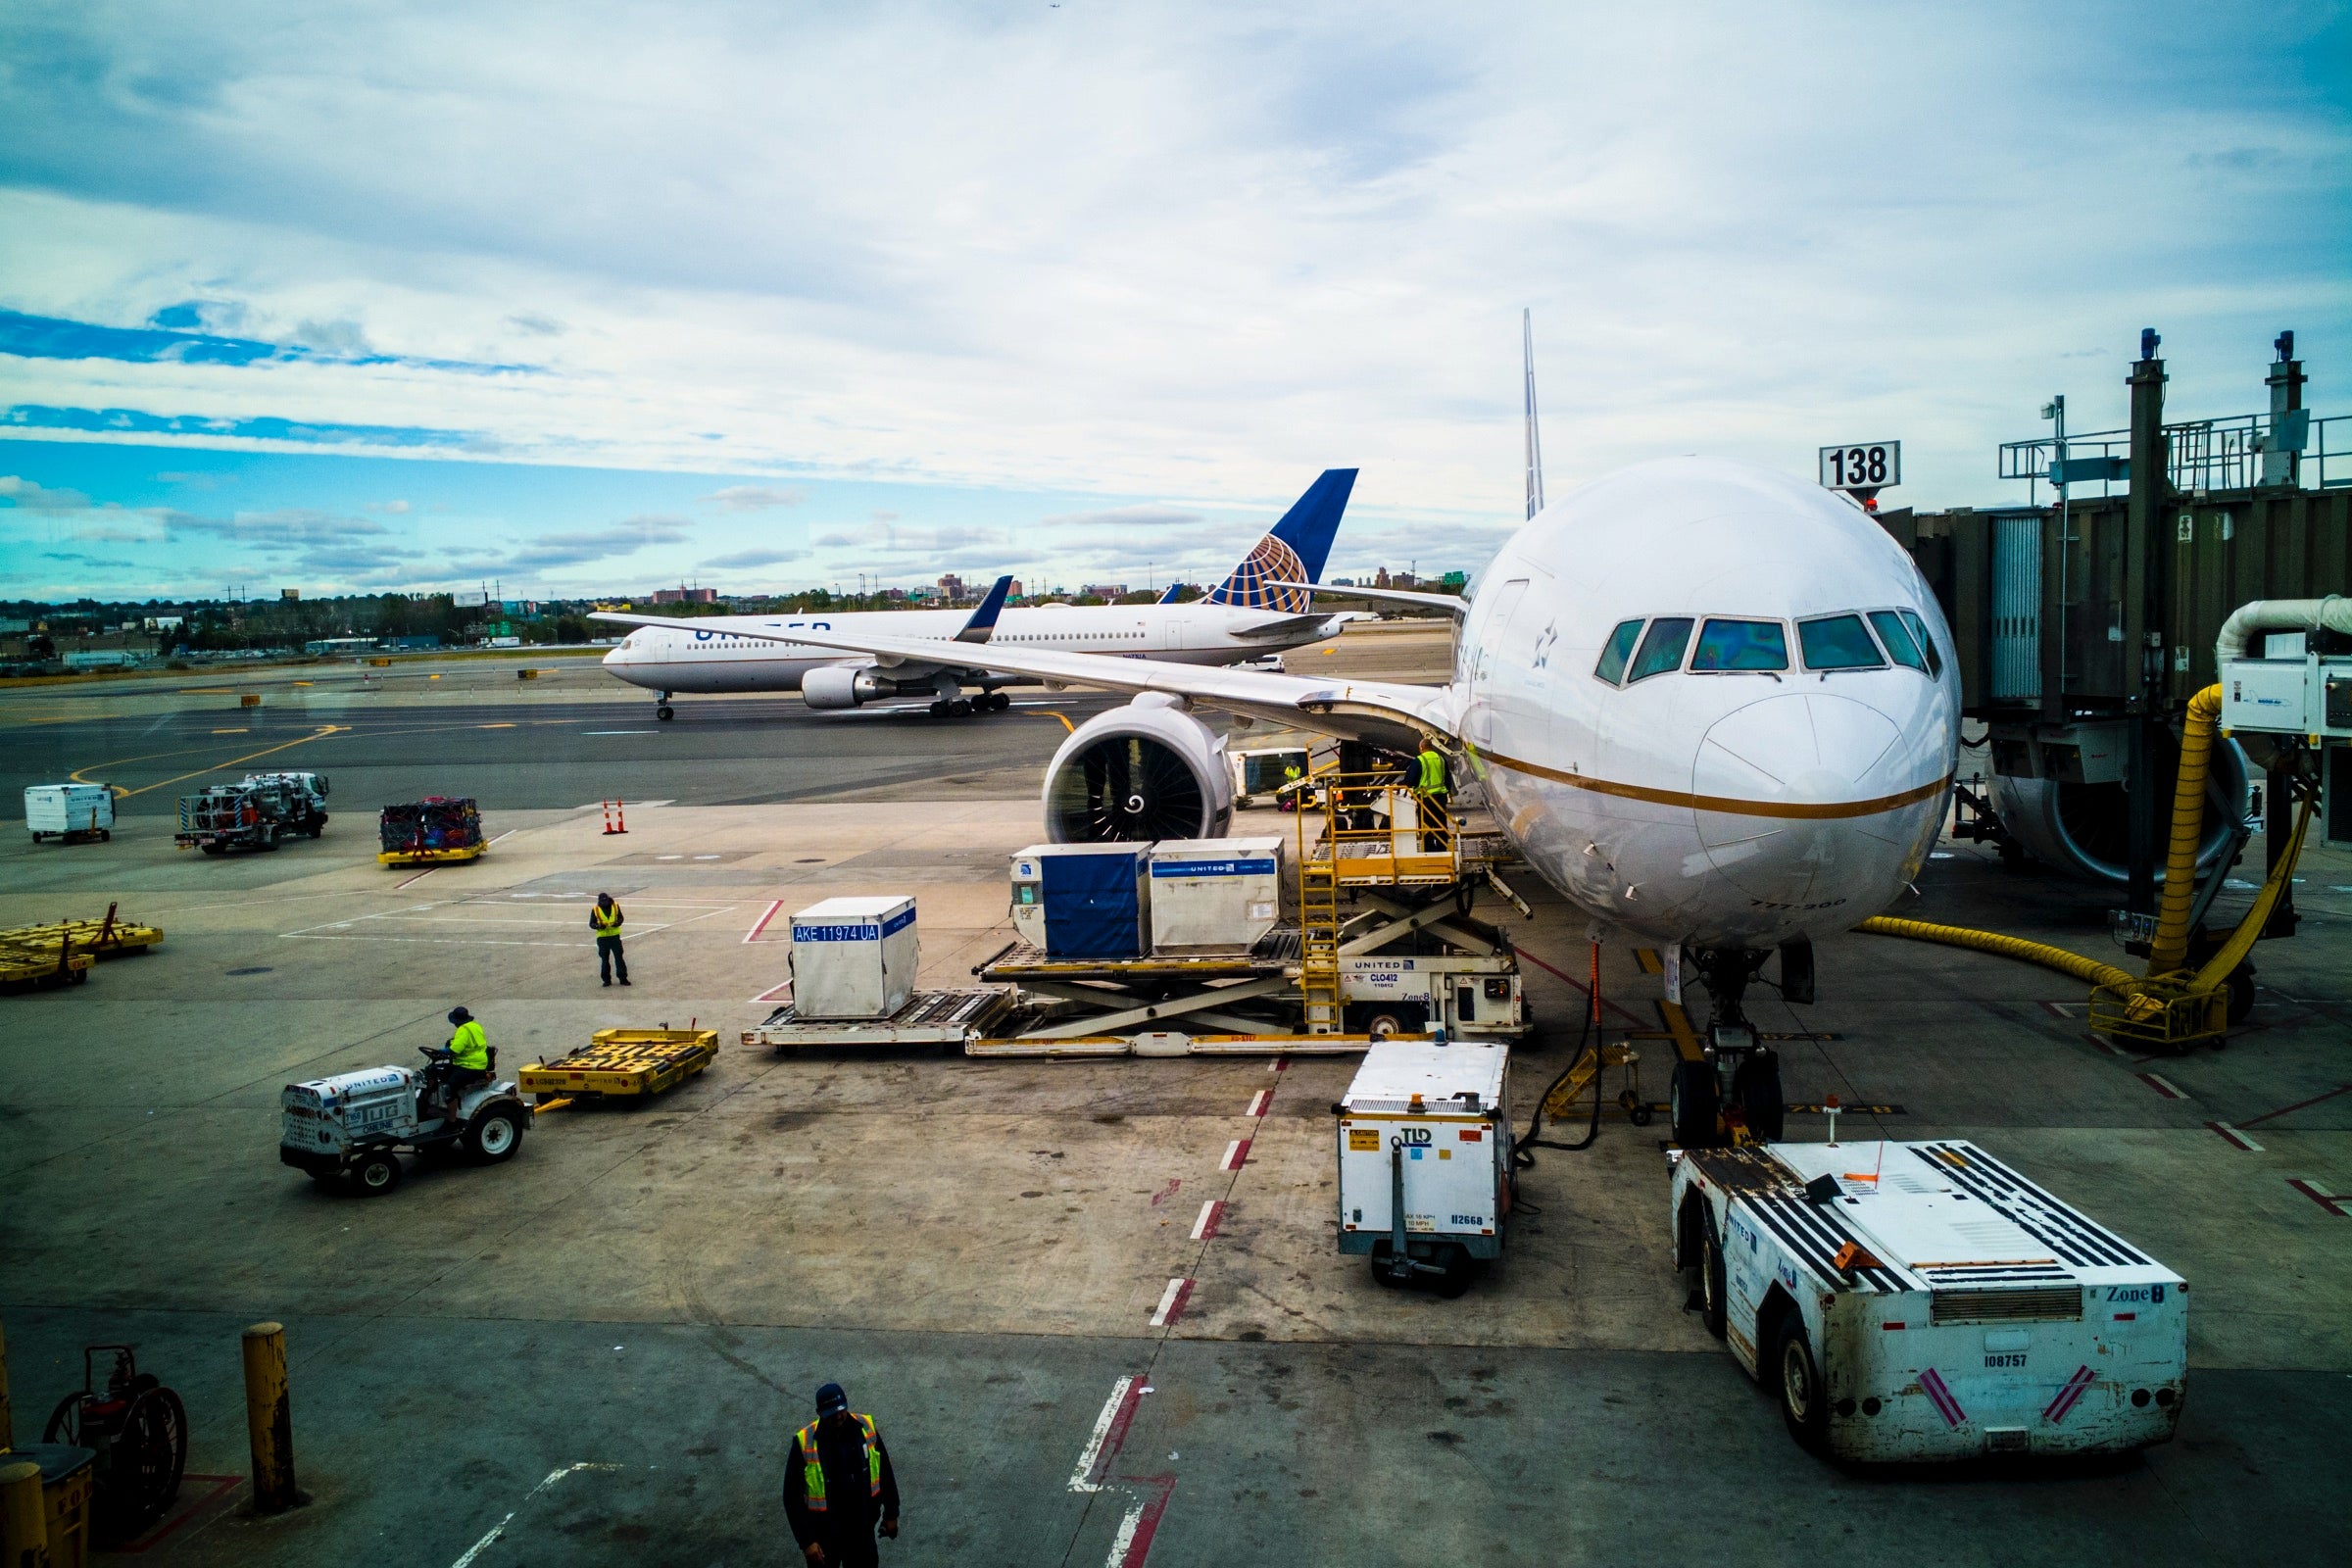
<point x="1782" y="775"/>
<point x="715" y="658"/>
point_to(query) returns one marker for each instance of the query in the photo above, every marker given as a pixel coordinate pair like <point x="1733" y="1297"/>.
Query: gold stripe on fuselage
<point x="1728" y="805"/>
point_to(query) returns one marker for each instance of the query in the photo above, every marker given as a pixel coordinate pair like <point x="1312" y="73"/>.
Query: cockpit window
<point x="1741" y="645"/>
<point x="1839" y="642"/>
<point x="1898" y="638"/>
<point x="1926" y="643"/>
<point x="1611" y="667"/>
<point x="1662" y="649"/>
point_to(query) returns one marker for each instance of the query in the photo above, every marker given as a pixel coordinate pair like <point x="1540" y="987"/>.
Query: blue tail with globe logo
<point x="1293" y="552"/>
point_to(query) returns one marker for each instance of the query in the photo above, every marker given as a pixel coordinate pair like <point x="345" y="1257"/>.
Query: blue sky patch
<point x="134" y="421"/>
<point x="170" y="339"/>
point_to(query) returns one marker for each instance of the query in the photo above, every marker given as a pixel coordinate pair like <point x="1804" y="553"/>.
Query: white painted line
<point x="2161" y="1086"/>
<point x="598" y="805"/>
<point x="1171" y="1302"/>
<point x="481" y="1545"/>
<point x="1082" y="1479"/>
<point x="503" y="837"/>
<point x="499" y="1529"/>
<point x="2235" y="1136"/>
<point x="1236" y="1153"/>
<point x="774" y="993"/>
<point x="753" y="934"/>
<point x="620" y="732"/>
<point x="1124" y="1541"/>
<point x="419" y="877"/>
<point x="1206" y="1227"/>
<point x="1260" y="1103"/>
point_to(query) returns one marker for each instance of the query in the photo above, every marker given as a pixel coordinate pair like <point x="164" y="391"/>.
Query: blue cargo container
<point x="1084" y="900"/>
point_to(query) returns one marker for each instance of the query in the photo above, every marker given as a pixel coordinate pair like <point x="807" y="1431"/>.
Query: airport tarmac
<point x="597" y="1353"/>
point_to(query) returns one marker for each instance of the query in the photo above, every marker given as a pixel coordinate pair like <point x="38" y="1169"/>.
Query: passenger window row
<point x="1638" y="650"/>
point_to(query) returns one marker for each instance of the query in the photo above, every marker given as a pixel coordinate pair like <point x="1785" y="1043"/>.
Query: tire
<point x="1805" y="1401"/>
<point x="1757" y="1083"/>
<point x="374" y="1174"/>
<point x="939" y="710"/>
<point x="999" y="703"/>
<point x="960" y="708"/>
<point x="1461" y="1270"/>
<point x="1381" y="1025"/>
<point x="214" y="847"/>
<point x="1691" y="1112"/>
<point x="665" y="712"/>
<point x="495" y="1135"/>
<point x="1711" y="1283"/>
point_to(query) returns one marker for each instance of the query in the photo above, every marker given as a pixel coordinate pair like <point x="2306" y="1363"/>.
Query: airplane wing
<point x="1452" y="604"/>
<point x="1388" y="713"/>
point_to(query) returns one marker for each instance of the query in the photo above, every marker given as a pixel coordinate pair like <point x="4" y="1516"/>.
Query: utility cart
<point x="435" y="831"/>
<point x="70" y="813"/>
<point x="354" y="1127"/>
<point x="621" y="1064"/>
<point x="1924" y="1302"/>
<point x="1424" y="1146"/>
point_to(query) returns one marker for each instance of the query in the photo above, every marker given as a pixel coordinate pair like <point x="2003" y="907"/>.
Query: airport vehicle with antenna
<point x="1913" y="1301"/>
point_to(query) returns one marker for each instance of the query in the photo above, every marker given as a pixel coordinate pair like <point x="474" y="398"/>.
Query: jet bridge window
<point x="1839" y="642"/>
<point x="1727" y="644"/>
<point x="1898" y="638"/>
<point x="1926" y="643"/>
<point x="1662" y="650"/>
<point x="1611" y="667"/>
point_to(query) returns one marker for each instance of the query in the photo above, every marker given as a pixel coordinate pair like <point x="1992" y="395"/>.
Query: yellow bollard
<point x="269" y="1418"/>
<point x="8" y="1439"/>
<point x="23" y="1517"/>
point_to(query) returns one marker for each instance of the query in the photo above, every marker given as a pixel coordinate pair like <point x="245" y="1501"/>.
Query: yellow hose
<point x="2088" y="971"/>
<point x="2168" y="950"/>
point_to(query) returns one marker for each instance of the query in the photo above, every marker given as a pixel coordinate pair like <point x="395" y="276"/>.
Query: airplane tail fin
<point x="983" y="623"/>
<point x="1169" y="597"/>
<point x="1293" y="551"/>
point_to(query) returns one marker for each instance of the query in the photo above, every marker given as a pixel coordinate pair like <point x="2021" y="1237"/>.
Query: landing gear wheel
<point x="1711" y="1283"/>
<point x="375" y="1174"/>
<point x="1804" y="1403"/>
<point x="998" y="702"/>
<point x="959" y="707"/>
<point x="939" y="710"/>
<point x="665" y="712"/>
<point x="495" y="1135"/>
<point x="1757" y="1087"/>
<point x="1692" y="1105"/>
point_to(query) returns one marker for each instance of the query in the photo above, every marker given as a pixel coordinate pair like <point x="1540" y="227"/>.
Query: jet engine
<point x="849" y="685"/>
<point x="2085" y="829"/>
<point x="1148" y="770"/>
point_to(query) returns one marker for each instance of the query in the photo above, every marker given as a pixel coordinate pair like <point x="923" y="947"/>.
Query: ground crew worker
<point x="1288" y="795"/>
<point x="604" y="921"/>
<point x="1431" y="788"/>
<point x="468" y="1059"/>
<point x="839" y="1489"/>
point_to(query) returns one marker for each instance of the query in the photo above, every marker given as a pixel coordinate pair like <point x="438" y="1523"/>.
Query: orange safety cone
<point x="615" y="820"/>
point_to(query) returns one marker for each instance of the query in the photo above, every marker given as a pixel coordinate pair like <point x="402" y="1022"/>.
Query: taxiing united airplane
<point x="1251" y="615"/>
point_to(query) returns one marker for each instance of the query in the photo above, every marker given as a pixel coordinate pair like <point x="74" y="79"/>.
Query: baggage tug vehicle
<point x="1923" y="1301"/>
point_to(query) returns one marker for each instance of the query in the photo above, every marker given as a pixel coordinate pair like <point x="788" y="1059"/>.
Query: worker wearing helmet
<point x="839" y="1489"/>
<point x="605" y="920"/>
<point x="468" y="1059"/>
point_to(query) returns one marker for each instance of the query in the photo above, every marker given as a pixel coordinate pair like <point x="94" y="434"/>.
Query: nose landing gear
<point x="662" y="709"/>
<point x="1732" y="1095"/>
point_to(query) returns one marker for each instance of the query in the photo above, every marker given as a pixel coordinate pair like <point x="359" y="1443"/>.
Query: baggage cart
<point x="623" y="1064"/>
<point x="436" y="831"/>
<point x="109" y="938"/>
<point x="70" y="813"/>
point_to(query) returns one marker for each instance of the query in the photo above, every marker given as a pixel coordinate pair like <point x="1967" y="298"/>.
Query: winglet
<point x="1449" y="603"/>
<point x="983" y="623"/>
<point x="1169" y="597"/>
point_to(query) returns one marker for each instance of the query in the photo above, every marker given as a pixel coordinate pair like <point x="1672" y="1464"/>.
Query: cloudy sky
<point x="591" y="296"/>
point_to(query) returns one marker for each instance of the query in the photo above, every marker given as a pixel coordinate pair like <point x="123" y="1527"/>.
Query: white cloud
<point x="753" y="498"/>
<point x="15" y="491"/>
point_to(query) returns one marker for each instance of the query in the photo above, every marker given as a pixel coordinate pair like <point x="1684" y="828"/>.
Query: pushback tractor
<point x="354" y="1127"/>
<point x="1925" y="1301"/>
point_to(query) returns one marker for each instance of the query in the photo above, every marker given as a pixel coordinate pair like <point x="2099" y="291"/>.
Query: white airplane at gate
<point x="1715" y="706"/>
<point x="1252" y="613"/>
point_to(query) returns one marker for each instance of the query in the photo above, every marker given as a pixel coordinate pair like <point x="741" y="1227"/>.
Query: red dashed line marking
<point x="2105" y="1046"/>
<point x="2235" y="1136"/>
<point x="1212" y="1214"/>
<point x="1260" y="1103"/>
<point x="2168" y="1090"/>
<point x="1237" y="1155"/>
<point x="753" y="934"/>
<point x="1171" y="1302"/>
<point x="2332" y="1202"/>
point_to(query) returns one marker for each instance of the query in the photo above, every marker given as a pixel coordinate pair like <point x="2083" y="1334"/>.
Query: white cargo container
<point x="854" y="957"/>
<point x="1214" y="894"/>
<point x="1425" y="1160"/>
<point x="1918" y="1302"/>
<point x="1084" y="900"/>
<point x="62" y="810"/>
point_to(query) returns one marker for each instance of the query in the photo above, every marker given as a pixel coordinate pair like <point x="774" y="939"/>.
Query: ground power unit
<point x="1925" y="1301"/>
<point x="854" y="957"/>
<point x="1084" y="900"/>
<point x="1425" y="1161"/>
<point x="1214" y="894"/>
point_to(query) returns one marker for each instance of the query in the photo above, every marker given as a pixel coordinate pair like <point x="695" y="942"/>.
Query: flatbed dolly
<point x="621" y="1064"/>
<point x="24" y="968"/>
<point x="468" y="851"/>
<point x="929" y="1018"/>
<point x="110" y="938"/>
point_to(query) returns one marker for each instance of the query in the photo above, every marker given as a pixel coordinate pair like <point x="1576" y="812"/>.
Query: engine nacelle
<point x="2085" y="829"/>
<point x="842" y="686"/>
<point x="1148" y="770"/>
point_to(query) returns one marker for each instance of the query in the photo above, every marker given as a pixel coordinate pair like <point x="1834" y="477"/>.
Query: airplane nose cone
<point x="1783" y="787"/>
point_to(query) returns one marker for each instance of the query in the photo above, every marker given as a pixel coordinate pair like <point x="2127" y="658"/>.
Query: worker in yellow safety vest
<point x="1287" y="798"/>
<point x="839" y="1489"/>
<point x="1431" y="788"/>
<point x="604" y="921"/>
<point x="469" y="1058"/>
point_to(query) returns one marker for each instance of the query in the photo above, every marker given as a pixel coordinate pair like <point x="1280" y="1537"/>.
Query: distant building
<point x="289" y="594"/>
<point x="1106" y="590"/>
<point x="1016" y="590"/>
<point x="152" y="623"/>
<point x="338" y="645"/>
<point x="951" y="588"/>
<point x="1456" y="580"/>
<point x="685" y="595"/>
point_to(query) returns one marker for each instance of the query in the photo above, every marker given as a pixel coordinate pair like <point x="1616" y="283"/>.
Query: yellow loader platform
<point x="24" y="967"/>
<point x="623" y="1064"/>
<point x="109" y="938"/>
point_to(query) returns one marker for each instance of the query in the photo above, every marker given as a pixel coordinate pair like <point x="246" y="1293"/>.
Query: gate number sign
<point x="1862" y="465"/>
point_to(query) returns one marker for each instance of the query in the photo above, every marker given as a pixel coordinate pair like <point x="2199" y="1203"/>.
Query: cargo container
<point x="69" y="811"/>
<point x="1214" y="894"/>
<point x="854" y="957"/>
<point x="1084" y="900"/>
